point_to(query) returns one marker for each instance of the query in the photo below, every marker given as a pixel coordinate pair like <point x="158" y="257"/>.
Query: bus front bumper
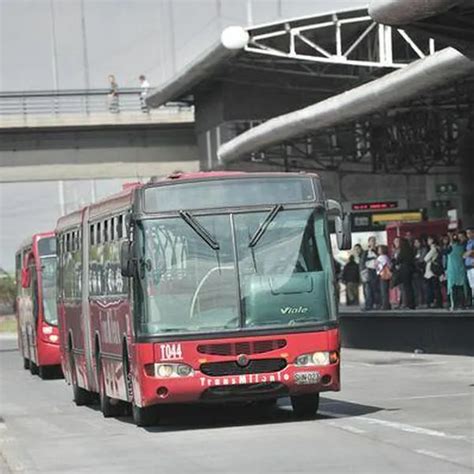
<point x="48" y="353"/>
<point x="290" y="381"/>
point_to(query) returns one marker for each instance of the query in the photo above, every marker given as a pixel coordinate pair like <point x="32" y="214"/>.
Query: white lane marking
<point x="394" y="364"/>
<point x="411" y="429"/>
<point x="398" y="426"/>
<point x="439" y="395"/>
<point x="431" y="454"/>
<point x="349" y="428"/>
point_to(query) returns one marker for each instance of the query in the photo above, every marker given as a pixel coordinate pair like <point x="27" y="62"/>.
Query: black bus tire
<point x="305" y="406"/>
<point x="43" y="372"/>
<point x="26" y="363"/>
<point x="145" y="416"/>
<point x="33" y="368"/>
<point x="107" y="406"/>
<point x="80" y="396"/>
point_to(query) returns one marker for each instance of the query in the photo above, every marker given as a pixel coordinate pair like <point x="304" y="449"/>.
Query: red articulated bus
<point x="205" y="287"/>
<point x="36" y="310"/>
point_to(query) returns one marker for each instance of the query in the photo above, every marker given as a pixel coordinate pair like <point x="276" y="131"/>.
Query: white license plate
<point x="306" y="378"/>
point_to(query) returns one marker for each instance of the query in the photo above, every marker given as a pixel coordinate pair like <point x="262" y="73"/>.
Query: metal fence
<point x="72" y="102"/>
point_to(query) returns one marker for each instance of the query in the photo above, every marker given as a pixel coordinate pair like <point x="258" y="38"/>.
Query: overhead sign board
<point x="376" y="221"/>
<point x="374" y="206"/>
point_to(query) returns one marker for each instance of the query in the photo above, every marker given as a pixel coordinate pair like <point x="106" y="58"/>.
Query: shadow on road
<point x="9" y="350"/>
<point x="195" y="417"/>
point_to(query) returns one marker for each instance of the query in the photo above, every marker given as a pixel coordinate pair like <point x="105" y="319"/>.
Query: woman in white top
<point x="383" y="266"/>
<point x="432" y="274"/>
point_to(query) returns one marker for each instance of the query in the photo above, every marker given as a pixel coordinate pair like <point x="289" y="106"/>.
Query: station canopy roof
<point x="319" y="55"/>
<point x="451" y="21"/>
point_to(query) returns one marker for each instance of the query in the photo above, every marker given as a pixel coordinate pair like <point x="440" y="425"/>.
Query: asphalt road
<point x="396" y="413"/>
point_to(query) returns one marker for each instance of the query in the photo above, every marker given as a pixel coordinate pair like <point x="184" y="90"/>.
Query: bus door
<point x="31" y="308"/>
<point x="85" y="310"/>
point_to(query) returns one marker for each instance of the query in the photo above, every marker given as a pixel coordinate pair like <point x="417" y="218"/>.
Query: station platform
<point x="435" y="331"/>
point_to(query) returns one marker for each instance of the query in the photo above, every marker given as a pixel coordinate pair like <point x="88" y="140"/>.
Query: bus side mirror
<point x="25" y="278"/>
<point x="126" y="259"/>
<point x="342" y="224"/>
<point x="343" y="231"/>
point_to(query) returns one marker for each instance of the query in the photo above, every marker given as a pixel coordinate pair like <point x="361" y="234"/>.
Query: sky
<point x="93" y="38"/>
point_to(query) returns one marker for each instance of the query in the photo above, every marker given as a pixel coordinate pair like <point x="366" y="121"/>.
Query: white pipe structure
<point x="440" y="68"/>
<point x="403" y="12"/>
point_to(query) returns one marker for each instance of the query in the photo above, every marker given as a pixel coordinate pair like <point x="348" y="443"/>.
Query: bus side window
<point x="18" y="272"/>
<point x="106" y="230"/>
<point x="34" y="287"/>
<point x="120" y="227"/>
<point x="112" y="229"/>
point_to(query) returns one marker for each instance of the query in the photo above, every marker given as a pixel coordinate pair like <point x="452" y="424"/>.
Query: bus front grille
<point x="257" y="366"/>
<point x="245" y="347"/>
<point x="254" y="391"/>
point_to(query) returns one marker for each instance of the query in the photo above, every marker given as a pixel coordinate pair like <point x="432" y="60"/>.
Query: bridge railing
<point x="84" y="102"/>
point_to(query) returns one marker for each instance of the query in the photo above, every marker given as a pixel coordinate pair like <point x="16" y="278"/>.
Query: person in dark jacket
<point x="351" y="278"/>
<point x="368" y="275"/>
<point x="405" y="266"/>
<point x="420" y="250"/>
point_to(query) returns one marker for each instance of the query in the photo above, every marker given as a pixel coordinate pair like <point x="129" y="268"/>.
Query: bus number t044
<point x="171" y="352"/>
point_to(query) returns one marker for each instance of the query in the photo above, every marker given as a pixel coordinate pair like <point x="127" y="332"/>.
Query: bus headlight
<point x="320" y="358"/>
<point x="317" y="359"/>
<point x="163" y="370"/>
<point x="170" y="370"/>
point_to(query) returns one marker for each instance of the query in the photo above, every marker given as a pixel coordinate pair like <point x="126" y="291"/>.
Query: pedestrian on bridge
<point x="113" y="97"/>
<point x="145" y="87"/>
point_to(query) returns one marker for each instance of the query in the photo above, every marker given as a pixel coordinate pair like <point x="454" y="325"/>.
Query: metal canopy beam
<point x="340" y="43"/>
<point x="440" y="68"/>
<point x="354" y="40"/>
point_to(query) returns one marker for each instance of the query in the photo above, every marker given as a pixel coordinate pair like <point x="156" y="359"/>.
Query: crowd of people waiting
<point x="425" y="272"/>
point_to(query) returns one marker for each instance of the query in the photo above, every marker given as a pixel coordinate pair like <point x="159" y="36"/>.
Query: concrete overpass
<point x="67" y="135"/>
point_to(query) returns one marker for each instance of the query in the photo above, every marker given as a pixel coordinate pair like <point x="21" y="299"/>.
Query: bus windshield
<point x="235" y="271"/>
<point x="48" y="281"/>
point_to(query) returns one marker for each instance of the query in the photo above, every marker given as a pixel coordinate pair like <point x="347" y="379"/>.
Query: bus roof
<point x="31" y="241"/>
<point x="124" y="198"/>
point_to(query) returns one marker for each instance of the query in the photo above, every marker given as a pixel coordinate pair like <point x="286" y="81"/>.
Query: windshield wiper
<point x="264" y="225"/>
<point x="199" y="229"/>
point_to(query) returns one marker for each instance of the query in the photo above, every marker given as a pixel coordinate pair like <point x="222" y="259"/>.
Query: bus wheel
<point x="45" y="372"/>
<point x="33" y="368"/>
<point x="107" y="405"/>
<point x="145" y="416"/>
<point x="26" y="363"/>
<point x="305" y="406"/>
<point x="80" y="396"/>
